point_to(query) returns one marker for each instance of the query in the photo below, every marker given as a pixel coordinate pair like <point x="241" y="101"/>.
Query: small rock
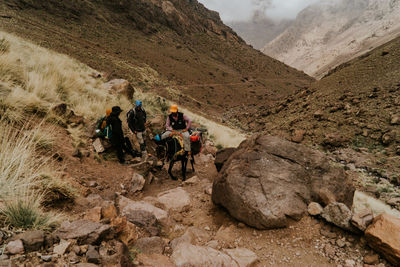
<point x="92" y="184"/>
<point x="137" y="183"/>
<point x="242" y="256"/>
<point x="109" y="211"/>
<point x="298" y="136"/>
<point x="93" y="214"/>
<point x="61" y="248"/>
<point x="92" y="256"/>
<point x="362" y="219"/>
<point x="151" y="245"/>
<point x="207" y="228"/>
<point x="349" y="263"/>
<point x="15" y="247"/>
<point x="338" y="214"/>
<point x="175" y="199"/>
<point x="340" y="243"/>
<point x="395" y="119"/>
<point x="314" y="209"/>
<point x="32" y="240"/>
<point x="46" y="258"/>
<point x="241" y="225"/>
<point x="371" y="259"/>
<point x="192" y="181"/>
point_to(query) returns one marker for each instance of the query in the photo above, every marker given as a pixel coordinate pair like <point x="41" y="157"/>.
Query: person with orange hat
<point x="178" y="122"/>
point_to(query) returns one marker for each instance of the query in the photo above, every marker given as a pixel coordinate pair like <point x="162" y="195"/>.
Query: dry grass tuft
<point x="23" y="187"/>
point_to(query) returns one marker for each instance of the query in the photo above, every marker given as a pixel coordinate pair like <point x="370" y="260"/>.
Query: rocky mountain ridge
<point x="177" y="49"/>
<point x="329" y="33"/>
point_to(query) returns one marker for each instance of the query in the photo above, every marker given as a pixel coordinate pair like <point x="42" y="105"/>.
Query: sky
<point x="243" y="10"/>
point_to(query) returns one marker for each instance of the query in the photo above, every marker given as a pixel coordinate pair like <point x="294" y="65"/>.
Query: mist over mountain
<point x="260" y="29"/>
<point x="329" y="33"/>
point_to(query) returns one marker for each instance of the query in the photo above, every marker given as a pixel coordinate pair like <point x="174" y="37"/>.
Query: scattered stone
<point x="213" y="244"/>
<point x="175" y="199"/>
<point x="389" y="138"/>
<point x="154" y="260"/>
<point x="242" y="256"/>
<point x="328" y="234"/>
<point x="340" y="243"/>
<point x="193" y="235"/>
<point x="93" y="214"/>
<point x="371" y="259"/>
<point x="92" y="256"/>
<point x="349" y="263"/>
<point x="292" y="177"/>
<point x="127" y="207"/>
<point x="32" y="240"/>
<point x="92" y="184"/>
<point x="109" y="211"/>
<point x="298" y="136"/>
<point x="137" y="183"/>
<point x="241" y="225"/>
<point x="192" y="181"/>
<point x="384" y="236"/>
<point x="208" y="190"/>
<point x="314" y="209"/>
<point x="62" y="248"/>
<point x="189" y="255"/>
<point x="330" y="251"/>
<point x="46" y="258"/>
<point x="118" y="254"/>
<point x="84" y="231"/>
<point x="338" y="214"/>
<point x="334" y="140"/>
<point x="362" y="219"/>
<point x="395" y="119"/>
<point x="151" y="245"/>
<point x="394" y="201"/>
<point x="15" y="247"/>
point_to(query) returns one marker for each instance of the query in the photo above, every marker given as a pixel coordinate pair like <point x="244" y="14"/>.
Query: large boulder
<point x="268" y="181"/>
<point x="383" y="235"/>
<point x="222" y="156"/>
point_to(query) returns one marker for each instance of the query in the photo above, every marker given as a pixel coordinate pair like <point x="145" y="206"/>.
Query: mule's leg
<point x="171" y="165"/>
<point x="184" y="165"/>
<point x="192" y="162"/>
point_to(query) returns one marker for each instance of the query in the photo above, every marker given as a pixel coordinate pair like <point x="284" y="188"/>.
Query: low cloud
<point x="244" y="10"/>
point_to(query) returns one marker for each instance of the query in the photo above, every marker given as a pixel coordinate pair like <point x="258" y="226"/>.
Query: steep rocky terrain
<point x="329" y="33"/>
<point x="356" y="106"/>
<point x="177" y="49"/>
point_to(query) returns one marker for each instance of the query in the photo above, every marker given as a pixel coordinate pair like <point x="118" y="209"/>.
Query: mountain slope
<point x="356" y="105"/>
<point x="329" y="33"/>
<point x="177" y="49"/>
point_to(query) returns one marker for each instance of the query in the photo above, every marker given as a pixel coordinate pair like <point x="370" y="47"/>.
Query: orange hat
<point x="174" y="109"/>
<point x="108" y="112"/>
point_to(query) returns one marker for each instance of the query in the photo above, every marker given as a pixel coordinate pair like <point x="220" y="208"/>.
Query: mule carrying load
<point x="171" y="149"/>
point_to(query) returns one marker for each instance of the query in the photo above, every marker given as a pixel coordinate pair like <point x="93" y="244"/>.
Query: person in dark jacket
<point x="180" y="123"/>
<point x="117" y="137"/>
<point x="137" y="124"/>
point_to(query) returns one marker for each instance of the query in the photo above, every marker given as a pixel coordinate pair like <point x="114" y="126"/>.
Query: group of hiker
<point x="110" y="127"/>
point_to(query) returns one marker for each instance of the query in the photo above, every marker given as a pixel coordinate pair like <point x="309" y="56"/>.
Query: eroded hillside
<point x="177" y="49"/>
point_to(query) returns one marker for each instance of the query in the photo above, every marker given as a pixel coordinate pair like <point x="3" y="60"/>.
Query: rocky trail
<point x="136" y="214"/>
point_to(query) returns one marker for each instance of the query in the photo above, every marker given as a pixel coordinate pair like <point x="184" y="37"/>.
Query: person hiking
<point x="118" y="141"/>
<point x="178" y="122"/>
<point x="136" y="119"/>
<point x="102" y="130"/>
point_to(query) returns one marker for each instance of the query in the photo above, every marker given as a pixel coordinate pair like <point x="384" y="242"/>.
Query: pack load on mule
<point x="171" y="149"/>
